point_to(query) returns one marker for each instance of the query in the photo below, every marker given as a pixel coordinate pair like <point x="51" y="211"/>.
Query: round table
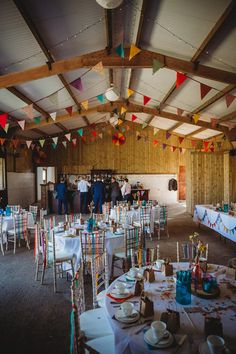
<point x="162" y="293"/>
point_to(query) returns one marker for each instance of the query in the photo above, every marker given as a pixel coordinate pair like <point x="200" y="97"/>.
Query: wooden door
<point x="182" y="183"/>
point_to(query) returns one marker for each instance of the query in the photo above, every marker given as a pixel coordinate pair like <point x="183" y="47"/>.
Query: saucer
<point x="115" y="292"/>
<point x="164" y="343"/>
<point x="127" y="319"/>
<point x="203" y="348"/>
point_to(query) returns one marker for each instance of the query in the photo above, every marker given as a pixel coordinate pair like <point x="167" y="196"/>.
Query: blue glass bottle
<point x="183" y="287"/>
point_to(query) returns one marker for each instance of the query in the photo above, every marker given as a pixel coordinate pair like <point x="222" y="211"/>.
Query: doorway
<point x="182" y="183"/>
<point x="45" y="175"/>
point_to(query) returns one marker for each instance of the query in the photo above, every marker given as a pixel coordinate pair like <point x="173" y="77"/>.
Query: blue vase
<point x="183" y="288"/>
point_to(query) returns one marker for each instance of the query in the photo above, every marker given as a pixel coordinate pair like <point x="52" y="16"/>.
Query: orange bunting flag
<point x="68" y="136"/>
<point x="98" y="68"/>
<point x="84" y="104"/>
<point x="174" y="148"/>
<point x="28" y="143"/>
<point x="129" y="92"/>
<point x="28" y="110"/>
<point x="120" y="121"/>
<point x="133" y="51"/>
<point x="123" y="110"/>
<point x="180" y="78"/>
<point x="155" y="131"/>
<point x="53" y="115"/>
<point x="134" y="117"/>
<point x="2" y="141"/>
<point x="213" y="122"/>
<point x="94" y="133"/>
<point x="146" y="99"/>
<point x="181" y="139"/>
<point x="155" y="142"/>
<point x="41" y="142"/>
<point x="196" y="118"/>
<point x="21" y="124"/>
<point x="3" y="119"/>
<point x="14" y="143"/>
<point x="204" y="89"/>
<point x="69" y="110"/>
<point x="229" y="99"/>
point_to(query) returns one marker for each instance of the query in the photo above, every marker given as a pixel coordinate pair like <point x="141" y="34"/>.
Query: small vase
<point x="197" y="274"/>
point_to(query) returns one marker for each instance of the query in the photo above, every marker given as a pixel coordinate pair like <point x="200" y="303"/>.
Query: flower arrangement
<point x="198" y="246"/>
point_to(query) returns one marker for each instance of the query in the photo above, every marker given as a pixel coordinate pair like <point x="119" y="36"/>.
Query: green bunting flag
<point x="37" y="120"/>
<point x="156" y="66"/>
<point x="120" y="50"/>
<point x="101" y="98"/>
<point x="80" y="131"/>
<point x="144" y="125"/>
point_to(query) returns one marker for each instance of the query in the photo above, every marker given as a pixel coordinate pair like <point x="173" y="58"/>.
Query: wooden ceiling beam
<point x="196" y="132"/>
<point x="227" y="117"/>
<point x="40" y="132"/>
<point x="213" y="99"/>
<point x="143" y="60"/>
<point x="215" y="29"/>
<point x="109" y="38"/>
<point x="177" y="125"/>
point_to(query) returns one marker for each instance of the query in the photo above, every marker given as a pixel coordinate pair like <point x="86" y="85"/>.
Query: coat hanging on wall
<point x="173" y="185"/>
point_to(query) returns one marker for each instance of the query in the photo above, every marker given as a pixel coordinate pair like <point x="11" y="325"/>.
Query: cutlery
<point x="180" y="343"/>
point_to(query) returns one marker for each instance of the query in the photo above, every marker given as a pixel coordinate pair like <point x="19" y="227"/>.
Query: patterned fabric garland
<point x="216" y="223"/>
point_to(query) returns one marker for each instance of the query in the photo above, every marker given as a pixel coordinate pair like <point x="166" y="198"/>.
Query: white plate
<point x="164" y="343"/>
<point x="120" y="316"/>
<point x="137" y="277"/>
<point x="203" y="348"/>
<point x="119" y="233"/>
<point x="115" y="293"/>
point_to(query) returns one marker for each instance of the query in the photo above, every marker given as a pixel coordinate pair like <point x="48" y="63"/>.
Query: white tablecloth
<point x="8" y="224"/>
<point x="162" y="294"/>
<point x="221" y="222"/>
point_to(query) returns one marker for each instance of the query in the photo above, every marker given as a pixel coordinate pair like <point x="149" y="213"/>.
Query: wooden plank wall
<point x="233" y="178"/>
<point x="205" y="179"/>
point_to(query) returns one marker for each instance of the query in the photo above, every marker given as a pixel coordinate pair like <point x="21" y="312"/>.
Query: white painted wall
<point x="21" y="188"/>
<point x="158" y="185"/>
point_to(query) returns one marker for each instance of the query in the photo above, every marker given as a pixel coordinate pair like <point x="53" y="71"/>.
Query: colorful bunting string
<point x="133" y="51"/>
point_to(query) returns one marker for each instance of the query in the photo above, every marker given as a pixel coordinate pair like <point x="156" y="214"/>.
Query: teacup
<point x="159" y="263"/>
<point x="127" y="308"/>
<point x="215" y="344"/>
<point x="120" y="287"/>
<point x="133" y="272"/>
<point x="158" y="329"/>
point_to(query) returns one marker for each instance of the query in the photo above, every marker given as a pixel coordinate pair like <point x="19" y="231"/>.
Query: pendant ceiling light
<point x="109" y="4"/>
<point x="112" y="94"/>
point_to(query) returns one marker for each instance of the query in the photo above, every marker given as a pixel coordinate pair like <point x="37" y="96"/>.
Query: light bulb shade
<point x="109" y="4"/>
<point x="112" y="94"/>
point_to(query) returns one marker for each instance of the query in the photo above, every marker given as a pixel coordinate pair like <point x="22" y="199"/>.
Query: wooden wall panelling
<point x="226" y="178"/>
<point x="233" y="178"/>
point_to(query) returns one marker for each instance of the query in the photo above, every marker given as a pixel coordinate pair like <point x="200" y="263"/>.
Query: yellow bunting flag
<point x="133" y="51"/>
<point x="129" y="92"/>
<point x="196" y="118"/>
<point x="120" y="121"/>
<point x="84" y="104"/>
<point x="123" y="110"/>
<point x="98" y="68"/>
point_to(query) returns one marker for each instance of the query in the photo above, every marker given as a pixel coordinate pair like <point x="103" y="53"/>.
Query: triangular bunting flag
<point x="2" y="140"/>
<point x="3" y="120"/>
<point x="204" y="89"/>
<point x="120" y="50"/>
<point x="129" y="92"/>
<point x="98" y="68"/>
<point x="155" y="131"/>
<point x="180" y="78"/>
<point x="94" y="133"/>
<point x="100" y="135"/>
<point x="168" y="135"/>
<point x="181" y="139"/>
<point x="193" y="142"/>
<point x="28" y="143"/>
<point x="37" y="120"/>
<point x="64" y="143"/>
<point x="80" y="131"/>
<point x="120" y="121"/>
<point x="183" y="150"/>
<point x="180" y="111"/>
<point x="205" y="143"/>
<point x="55" y="140"/>
<point x="69" y="110"/>
<point x="53" y="115"/>
<point x="54" y="145"/>
<point x="155" y="142"/>
<point x="68" y="136"/>
<point x="156" y="65"/>
<point x="83" y="138"/>
<point x="134" y="117"/>
<point x="77" y="84"/>
<point x="84" y="104"/>
<point x="146" y="99"/>
<point x="144" y="125"/>
<point x="54" y="98"/>
<point x="41" y="142"/>
<point x="133" y="51"/>
<point x="28" y="110"/>
<point x="212" y="148"/>
<point x="213" y="122"/>
<point x="101" y="98"/>
<point x="164" y="146"/>
<point x="139" y="137"/>
<point x="6" y="127"/>
<point x="74" y="141"/>
<point x="21" y="124"/>
<point x="229" y="99"/>
<point x="123" y="110"/>
<point x="123" y="129"/>
<point x="196" y="118"/>
<point x="174" y="148"/>
<point x="137" y="133"/>
<point x="127" y="128"/>
<point x="14" y="143"/>
<point x="180" y="150"/>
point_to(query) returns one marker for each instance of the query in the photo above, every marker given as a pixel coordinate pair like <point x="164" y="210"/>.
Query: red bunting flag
<point x="3" y="119"/>
<point x="181" y="139"/>
<point x="146" y="99"/>
<point x="206" y="143"/>
<point x="134" y="117"/>
<point x="83" y="138"/>
<point x="69" y="110"/>
<point x="74" y="141"/>
<point x="180" y="78"/>
<point x="193" y="142"/>
<point x="94" y="133"/>
<point x="174" y="148"/>
<point x="212" y="147"/>
<point x="229" y="99"/>
<point x="204" y="89"/>
<point x="155" y="142"/>
<point x="180" y="111"/>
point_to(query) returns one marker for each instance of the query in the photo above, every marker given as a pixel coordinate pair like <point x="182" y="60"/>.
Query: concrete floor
<point x="35" y="320"/>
